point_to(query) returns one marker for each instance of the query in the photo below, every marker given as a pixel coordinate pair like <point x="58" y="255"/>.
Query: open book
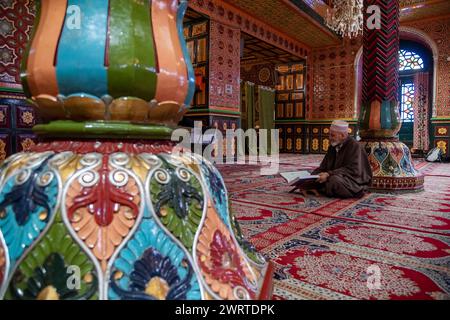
<point x="296" y="176"/>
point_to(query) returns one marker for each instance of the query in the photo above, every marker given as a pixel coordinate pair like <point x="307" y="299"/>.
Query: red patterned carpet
<point x="327" y="248"/>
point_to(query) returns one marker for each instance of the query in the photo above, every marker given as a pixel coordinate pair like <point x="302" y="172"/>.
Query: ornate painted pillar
<point x="103" y="207"/>
<point x="379" y="121"/>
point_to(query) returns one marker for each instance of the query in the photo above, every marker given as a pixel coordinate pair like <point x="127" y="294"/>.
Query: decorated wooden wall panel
<point x="441" y="136"/>
<point x="290" y="106"/>
<point x="197" y="39"/>
<point x="309" y="90"/>
<point x="281" y="138"/>
<point x="319" y="140"/>
<point x="414" y="10"/>
<point x="300" y="141"/>
<point x="290" y="91"/>
<point x="17" y="117"/>
<point x="286" y="137"/>
<point x="306" y="137"/>
<point x="293" y="137"/>
<point x="215" y="48"/>
<point x="260" y="74"/>
<point x="223" y="123"/>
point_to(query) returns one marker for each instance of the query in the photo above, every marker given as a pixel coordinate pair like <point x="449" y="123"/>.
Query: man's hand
<point x="323" y="177"/>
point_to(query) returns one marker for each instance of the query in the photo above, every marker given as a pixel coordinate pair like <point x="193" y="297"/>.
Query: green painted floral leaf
<point x="45" y="273"/>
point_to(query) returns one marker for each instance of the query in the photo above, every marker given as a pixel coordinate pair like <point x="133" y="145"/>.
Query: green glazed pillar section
<point x="131" y="45"/>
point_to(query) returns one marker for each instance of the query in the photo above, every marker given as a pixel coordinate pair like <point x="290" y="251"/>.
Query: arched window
<point x="413" y="59"/>
<point x="406" y="103"/>
<point x="409" y="60"/>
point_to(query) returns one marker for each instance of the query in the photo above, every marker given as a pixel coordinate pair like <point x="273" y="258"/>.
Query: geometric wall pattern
<point x="224" y="66"/>
<point x="332" y="65"/>
<point x="17" y="117"/>
<point x="409" y="60"/>
<point x="16" y="22"/>
<point x="439" y="30"/>
<point x="333" y="81"/>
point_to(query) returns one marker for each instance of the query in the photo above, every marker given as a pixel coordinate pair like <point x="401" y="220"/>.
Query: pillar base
<point x="136" y="219"/>
<point x="392" y="167"/>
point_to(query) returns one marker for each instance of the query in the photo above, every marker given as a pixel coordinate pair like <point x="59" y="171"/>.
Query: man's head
<point x="338" y="132"/>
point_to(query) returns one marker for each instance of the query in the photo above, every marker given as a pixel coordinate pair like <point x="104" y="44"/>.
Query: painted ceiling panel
<point x="287" y="17"/>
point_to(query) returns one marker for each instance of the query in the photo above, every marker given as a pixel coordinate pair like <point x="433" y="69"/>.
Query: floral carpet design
<point x="382" y="246"/>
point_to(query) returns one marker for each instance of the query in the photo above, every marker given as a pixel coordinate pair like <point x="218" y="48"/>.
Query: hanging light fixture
<point x="346" y="17"/>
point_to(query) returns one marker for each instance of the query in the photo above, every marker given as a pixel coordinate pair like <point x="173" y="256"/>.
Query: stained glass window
<point x="406" y="106"/>
<point x="409" y="60"/>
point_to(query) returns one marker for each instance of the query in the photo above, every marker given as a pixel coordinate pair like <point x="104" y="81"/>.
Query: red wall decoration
<point x="333" y="81"/>
<point x="16" y="116"/>
<point x="224" y="66"/>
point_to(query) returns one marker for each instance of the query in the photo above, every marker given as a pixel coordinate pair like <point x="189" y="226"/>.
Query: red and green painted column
<point x="379" y="121"/>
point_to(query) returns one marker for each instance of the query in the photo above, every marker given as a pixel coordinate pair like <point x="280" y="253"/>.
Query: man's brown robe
<point x="349" y="170"/>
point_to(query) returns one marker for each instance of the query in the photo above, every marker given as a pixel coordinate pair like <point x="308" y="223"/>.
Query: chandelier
<point x="346" y="17"/>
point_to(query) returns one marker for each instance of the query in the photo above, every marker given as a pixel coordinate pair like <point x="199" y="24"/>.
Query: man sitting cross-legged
<point x="345" y="171"/>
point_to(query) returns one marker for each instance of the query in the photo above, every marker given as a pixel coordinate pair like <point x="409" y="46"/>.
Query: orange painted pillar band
<point x="41" y="59"/>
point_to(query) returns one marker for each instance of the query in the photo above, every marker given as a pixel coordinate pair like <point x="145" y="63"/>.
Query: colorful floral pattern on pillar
<point x="47" y="271"/>
<point x="227" y="273"/>
<point x="103" y="203"/>
<point x="28" y="198"/>
<point x="392" y="166"/>
<point x="161" y="272"/>
<point x="135" y="220"/>
<point x="390" y="159"/>
<point x="177" y="199"/>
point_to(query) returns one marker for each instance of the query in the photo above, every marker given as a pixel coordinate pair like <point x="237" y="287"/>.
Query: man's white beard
<point x="334" y="144"/>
